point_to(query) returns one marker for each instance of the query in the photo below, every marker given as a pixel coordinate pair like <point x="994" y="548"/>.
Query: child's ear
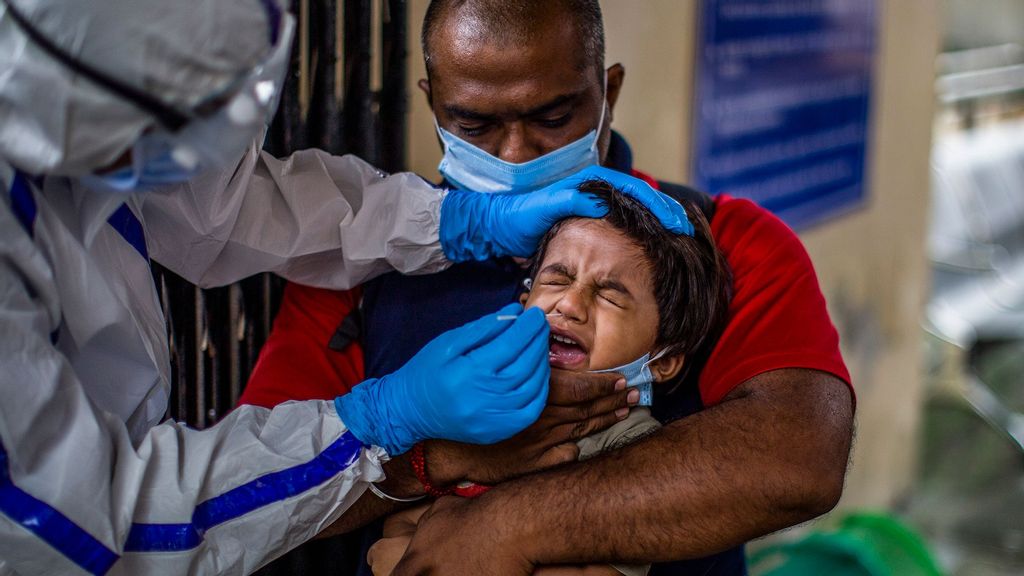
<point x="667" y="367"/>
<point x="524" y="297"/>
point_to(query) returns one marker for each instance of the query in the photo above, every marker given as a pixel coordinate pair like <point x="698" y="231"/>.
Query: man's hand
<point x="579" y="404"/>
<point x="446" y="543"/>
<point x="426" y="554"/>
<point x="399" y="528"/>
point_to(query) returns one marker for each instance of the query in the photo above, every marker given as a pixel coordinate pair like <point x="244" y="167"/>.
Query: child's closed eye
<point x="612" y="298"/>
<point x="554" y="279"/>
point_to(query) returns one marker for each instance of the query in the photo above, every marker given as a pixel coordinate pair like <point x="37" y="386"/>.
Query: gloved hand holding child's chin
<point x="478" y="226"/>
<point x="479" y="383"/>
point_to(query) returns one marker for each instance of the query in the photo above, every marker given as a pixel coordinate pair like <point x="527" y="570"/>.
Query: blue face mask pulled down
<point x="638" y="375"/>
<point x="469" y="168"/>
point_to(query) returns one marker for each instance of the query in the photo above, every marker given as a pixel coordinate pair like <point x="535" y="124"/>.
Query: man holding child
<point x="755" y="436"/>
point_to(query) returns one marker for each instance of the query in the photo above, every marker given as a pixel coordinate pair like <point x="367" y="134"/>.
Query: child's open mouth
<point x="565" y="352"/>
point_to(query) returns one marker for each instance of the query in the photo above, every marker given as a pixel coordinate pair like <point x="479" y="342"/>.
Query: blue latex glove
<point x="477" y="226"/>
<point x="664" y="207"/>
<point x="479" y="383"/>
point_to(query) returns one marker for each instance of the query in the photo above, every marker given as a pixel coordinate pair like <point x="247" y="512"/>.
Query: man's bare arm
<point x="772" y="455"/>
<point x="400" y="481"/>
<point x="577" y="406"/>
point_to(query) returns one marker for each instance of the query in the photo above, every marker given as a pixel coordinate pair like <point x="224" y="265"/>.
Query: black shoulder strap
<point x="680" y="192"/>
<point x="349" y="331"/>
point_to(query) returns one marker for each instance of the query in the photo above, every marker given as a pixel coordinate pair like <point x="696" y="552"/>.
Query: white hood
<point x="55" y="121"/>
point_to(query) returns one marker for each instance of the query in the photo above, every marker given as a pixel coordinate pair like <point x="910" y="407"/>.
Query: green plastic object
<point x="863" y="544"/>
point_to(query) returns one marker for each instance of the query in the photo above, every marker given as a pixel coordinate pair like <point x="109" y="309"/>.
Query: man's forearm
<point x="771" y="456"/>
<point x="400" y="481"/>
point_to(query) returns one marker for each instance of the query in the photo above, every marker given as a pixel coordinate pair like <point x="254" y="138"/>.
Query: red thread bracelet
<point x="419" y="466"/>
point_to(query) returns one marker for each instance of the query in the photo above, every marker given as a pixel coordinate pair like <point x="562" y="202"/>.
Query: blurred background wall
<point x="980" y="23"/>
<point x="873" y="266"/>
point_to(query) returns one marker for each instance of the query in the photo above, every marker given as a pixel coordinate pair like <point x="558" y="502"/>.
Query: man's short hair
<point x="512" y="21"/>
<point x="690" y="277"/>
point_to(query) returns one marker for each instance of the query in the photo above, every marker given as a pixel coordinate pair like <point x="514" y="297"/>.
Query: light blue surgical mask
<point x="638" y="375"/>
<point x="469" y="168"/>
<point x="219" y="139"/>
<point x="120" y="181"/>
<point x="153" y="165"/>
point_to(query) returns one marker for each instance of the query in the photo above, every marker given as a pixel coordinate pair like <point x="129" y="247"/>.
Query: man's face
<point x="517" y="103"/>
<point x="601" y="283"/>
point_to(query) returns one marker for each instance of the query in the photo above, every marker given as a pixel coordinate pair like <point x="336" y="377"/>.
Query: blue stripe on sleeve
<point x="51" y="526"/>
<point x="23" y="204"/>
<point x="162" y="538"/>
<point x="253" y="495"/>
<point x="92" y="556"/>
<point x="128" y="226"/>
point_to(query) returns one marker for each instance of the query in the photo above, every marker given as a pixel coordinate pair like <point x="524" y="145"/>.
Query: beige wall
<point x="653" y="40"/>
<point x="871" y="263"/>
<point x="979" y="23"/>
<point x="422" y="148"/>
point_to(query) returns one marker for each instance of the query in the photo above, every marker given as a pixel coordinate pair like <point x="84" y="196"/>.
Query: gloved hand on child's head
<point x="478" y="226"/>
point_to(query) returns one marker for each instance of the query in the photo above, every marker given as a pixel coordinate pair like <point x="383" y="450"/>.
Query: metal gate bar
<point x="328" y="102"/>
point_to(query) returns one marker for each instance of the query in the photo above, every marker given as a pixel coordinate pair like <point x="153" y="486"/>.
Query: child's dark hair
<point x="690" y="277"/>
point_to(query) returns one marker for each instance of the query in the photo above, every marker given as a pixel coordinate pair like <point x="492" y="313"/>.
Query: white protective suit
<point x="89" y="481"/>
<point x="85" y="372"/>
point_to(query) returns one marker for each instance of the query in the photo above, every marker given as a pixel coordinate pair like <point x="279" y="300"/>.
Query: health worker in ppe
<point x="103" y="100"/>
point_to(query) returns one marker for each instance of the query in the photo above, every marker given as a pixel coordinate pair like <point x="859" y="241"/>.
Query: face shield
<point x="217" y="131"/>
<point x="213" y="134"/>
<point x="192" y="88"/>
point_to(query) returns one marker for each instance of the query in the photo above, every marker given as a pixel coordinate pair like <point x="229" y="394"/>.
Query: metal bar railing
<point x="328" y="102"/>
<point x="394" y="101"/>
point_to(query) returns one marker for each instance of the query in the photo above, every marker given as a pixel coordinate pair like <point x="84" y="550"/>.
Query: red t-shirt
<point x="777" y="319"/>
<point x="295" y="362"/>
<point x="777" y="316"/>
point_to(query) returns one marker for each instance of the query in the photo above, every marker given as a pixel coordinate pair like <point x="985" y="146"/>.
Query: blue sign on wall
<point x="781" y="117"/>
